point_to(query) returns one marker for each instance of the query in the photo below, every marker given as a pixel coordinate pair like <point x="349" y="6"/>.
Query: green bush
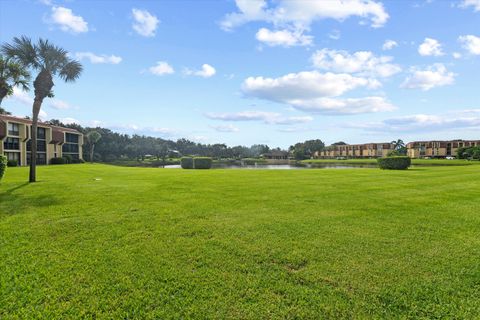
<point x="394" y="163"/>
<point x="77" y="161"/>
<point x="202" y="163"/>
<point x="186" y="162"/>
<point x="12" y="163"/>
<point x="3" y="166"/>
<point x="58" y="161"/>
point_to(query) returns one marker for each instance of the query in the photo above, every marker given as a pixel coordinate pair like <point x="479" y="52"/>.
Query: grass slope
<point x="416" y="162"/>
<point x="97" y="241"/>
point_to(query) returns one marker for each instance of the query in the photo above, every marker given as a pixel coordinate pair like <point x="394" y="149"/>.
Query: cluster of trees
<point x="306" y="150"/>
<point x="105" y="145"/>
<point x="469" y="153"/>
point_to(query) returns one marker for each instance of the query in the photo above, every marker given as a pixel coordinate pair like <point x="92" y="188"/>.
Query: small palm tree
<point x="398" y="145"/>
<point x="12" y="74"/>
<point x="93" y="137"/>
<point x="49" y="61"/>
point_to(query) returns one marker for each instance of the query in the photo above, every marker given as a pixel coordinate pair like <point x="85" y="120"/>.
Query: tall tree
<point x="12" y="74"/>
<point x="93" y="137"/>
<point x="49" y="61"/>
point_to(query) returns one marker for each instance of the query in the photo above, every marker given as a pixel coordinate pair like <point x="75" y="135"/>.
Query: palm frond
<point x="22" y="50"/>
<point x="71" y="71"/>
<point x="53" y="57"/>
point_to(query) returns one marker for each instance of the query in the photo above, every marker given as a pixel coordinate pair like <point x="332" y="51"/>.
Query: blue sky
<point x="254" y="71"/>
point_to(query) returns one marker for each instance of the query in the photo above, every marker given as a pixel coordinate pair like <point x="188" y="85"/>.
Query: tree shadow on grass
<point x="14" y="203"/>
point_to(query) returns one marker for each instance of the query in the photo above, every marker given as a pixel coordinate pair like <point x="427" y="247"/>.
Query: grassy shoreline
<point x="416" y="162"/>
<point x="98" y="241"/>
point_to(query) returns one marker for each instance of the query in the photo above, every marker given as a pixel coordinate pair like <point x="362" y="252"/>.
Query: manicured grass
<point x="108" y="242"/>
<point x="417" y="162"/>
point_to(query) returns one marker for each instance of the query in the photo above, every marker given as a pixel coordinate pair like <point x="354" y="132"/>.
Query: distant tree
<point x="305" y="150"/>
<point x="49" y="61"/>
<point x="93" y="137"/>
<point x="399" y="147"/>
<point x="5" y="112"/>
<point x="339" y="143"/>
<point x="12" y="74"/>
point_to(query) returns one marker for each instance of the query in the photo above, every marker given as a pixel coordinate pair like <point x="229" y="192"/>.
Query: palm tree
<point x="12" y="74"/>
<point x="398" y="145"/>
<point x="93" y="137"/>
<point x="49" y="61"/>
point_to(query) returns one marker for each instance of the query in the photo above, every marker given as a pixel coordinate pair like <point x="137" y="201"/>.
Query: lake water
<point x="292" y="166"/>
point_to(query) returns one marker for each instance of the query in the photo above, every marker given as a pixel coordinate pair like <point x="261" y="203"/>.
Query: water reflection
<point x="289" y="166"/>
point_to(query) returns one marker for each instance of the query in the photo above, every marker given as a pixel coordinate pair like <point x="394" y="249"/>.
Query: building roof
<point x="43" y="124"/>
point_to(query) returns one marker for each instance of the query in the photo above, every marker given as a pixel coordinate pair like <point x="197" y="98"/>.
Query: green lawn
<point x="108" y="242"/>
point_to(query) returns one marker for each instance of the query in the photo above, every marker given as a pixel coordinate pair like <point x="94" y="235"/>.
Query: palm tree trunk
<point x="92" y="148"/>
<point x="37" y="104"/>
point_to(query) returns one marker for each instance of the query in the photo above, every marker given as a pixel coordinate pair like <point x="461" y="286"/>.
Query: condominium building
<point x="367" y="150"/>
<point x="52" y="141"/>
<point x="438" y="149"/>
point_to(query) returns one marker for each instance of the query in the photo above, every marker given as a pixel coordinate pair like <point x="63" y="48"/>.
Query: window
<point x="71" y="138"/>
<point x="41" y="133"/>
<point x="70" y="148"/>
<point x="41" y="146"/>
<point x="13" y="129"/>
<point x="15" y="156"/>
<point x="41" y="158"/>
<point x="11" y="144"/>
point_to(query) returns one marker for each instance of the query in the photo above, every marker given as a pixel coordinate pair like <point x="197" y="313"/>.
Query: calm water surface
<point x="296" y="166"/>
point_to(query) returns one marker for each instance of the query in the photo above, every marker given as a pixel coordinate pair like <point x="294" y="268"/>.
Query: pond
<point x="289" y="166"/>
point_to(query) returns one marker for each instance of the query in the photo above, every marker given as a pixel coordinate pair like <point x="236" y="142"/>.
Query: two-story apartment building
<point x="53" y="141"/>
<point x="438" y="149"/>
<point x="366" y="150"/>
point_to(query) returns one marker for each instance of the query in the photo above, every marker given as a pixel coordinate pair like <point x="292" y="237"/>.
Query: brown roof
<point x="43" y="124"/>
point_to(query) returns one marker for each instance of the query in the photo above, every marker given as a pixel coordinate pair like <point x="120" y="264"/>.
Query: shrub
<point x="202" y="163"/>
<point x="186" y="163"/>
<point x="77" y="161"/>
<point x="58" y="161"/>
<point x="394" y="163"/>
<point x="3" y="166"/>
<point x="12" y="163"/>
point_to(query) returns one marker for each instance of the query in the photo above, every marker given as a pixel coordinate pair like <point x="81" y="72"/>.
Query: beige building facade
<point x="367" y="150"/>
<point x="438" y="149"/>
<point x="52" y="141"/>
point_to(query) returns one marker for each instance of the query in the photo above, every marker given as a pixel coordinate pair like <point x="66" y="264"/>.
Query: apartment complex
<point x="366" y="150"/>
<point x="53" y="141"/>
<point x="438" y="149"/>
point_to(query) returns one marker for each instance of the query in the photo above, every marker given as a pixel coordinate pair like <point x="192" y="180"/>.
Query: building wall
<point x="53" y="149"/>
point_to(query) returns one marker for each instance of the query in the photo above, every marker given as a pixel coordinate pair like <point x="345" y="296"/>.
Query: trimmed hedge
<point x="202" y="163"/>
<point x="12" y="163"/>
<point x="3" y="166"/>
<point x="394" y="163"/>
<point x="58" y="161"/>
<point x="196" y="162"/>
<point x="186" y="162"/>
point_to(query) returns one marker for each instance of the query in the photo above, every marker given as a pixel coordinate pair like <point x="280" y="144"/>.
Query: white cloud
<point x="112" y="59"/>
<point x="59" y="104"/>
<point x="470" y="43"/>
<point x="456" y="55"/>
<point x="430" y="47"/>
<point x="225" y="128"/>
<point x="266" y="117"/>
<point x="67" y="21"/>
<point x="21" y="96"/>
<point x="161" y="68"/>
<point x="360" y="62"/>
<point x="207" y="71"/>
<point x="69" y="121"/>
<point x="43" y="116"/>
<point x="304" y="85"/>
<point x="336" y="106"/>
<point x="459" y="119"/>
<point x="335" y="34"/>
<point x="302" y="13"/>
<point x="433" y="76"/>
<point x="145" y="23"/>
<point x="389" y="45"/>
<point x="471" y="3"/>
<point x="285" y="38"/>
